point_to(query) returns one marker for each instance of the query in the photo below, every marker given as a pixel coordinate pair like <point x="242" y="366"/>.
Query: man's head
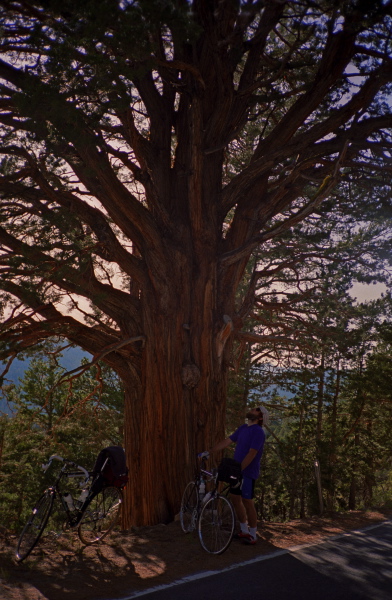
<point x="258" y="415"/>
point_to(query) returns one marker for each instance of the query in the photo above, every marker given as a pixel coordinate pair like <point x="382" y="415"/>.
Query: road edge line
<point x="256" y="559"/>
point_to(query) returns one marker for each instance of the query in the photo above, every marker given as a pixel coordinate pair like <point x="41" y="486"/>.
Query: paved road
<point x="356" y="566"/>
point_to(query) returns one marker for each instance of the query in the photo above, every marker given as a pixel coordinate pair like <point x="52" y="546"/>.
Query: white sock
<point x="252" y="531"/>
<point x="244" y="527"/>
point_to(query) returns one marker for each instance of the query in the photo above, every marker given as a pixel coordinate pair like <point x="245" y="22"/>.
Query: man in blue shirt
<point x="249" y="440"/>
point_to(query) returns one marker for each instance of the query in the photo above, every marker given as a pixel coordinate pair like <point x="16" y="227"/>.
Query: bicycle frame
<point x="74" y="516"/>
<point x="213" y="514"/>
<point x="210" y="476"/>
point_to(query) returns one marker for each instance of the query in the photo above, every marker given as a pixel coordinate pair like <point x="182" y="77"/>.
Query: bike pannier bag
<point x="229" y="471"/>
<point x="111" y="465"/>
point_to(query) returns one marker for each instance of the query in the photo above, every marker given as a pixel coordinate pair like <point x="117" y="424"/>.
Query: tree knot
<point x="190" y="375"/>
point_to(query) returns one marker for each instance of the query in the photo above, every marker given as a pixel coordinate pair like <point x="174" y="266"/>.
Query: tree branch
<point x="112" y="301"/>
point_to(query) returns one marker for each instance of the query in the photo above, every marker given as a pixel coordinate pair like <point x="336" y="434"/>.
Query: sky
<point x="363" y="292"/>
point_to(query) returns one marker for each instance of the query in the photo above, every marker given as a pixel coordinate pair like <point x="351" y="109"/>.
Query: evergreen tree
<point x="320" y="398"/>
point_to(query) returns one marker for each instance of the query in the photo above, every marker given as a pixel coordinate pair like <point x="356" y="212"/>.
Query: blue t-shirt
<point x="249" y="437"/>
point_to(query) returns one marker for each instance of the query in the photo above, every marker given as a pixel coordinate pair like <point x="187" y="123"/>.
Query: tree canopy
<point x="149" y="149"/>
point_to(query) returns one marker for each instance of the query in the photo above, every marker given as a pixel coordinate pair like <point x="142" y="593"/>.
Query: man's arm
<point x="248" y="458"/>
<point x="221" y="445"/>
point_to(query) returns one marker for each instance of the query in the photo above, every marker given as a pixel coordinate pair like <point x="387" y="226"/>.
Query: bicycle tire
<point x="34" y="527"/>
<point x="188" y="509"/>
<point x="216" y="524"/>
<point x="101" y="515"/>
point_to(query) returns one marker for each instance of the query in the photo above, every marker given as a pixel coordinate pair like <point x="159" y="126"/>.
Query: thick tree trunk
<point x="181" y="407"/>
<point x="181" y="412"/>
<point x="186" y="323"/>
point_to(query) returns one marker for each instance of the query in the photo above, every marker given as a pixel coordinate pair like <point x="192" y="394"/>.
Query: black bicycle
<point x="211" y="513"/>
<point x="94" y="513"/>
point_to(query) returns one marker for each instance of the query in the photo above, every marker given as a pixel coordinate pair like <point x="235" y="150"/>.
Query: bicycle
<point x="94" y="513"/>
<point x="212" y="513"/>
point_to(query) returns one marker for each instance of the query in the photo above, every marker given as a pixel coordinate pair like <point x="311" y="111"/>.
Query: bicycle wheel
<point x="101" y="515"/>
<point x="188" y="510"/>
<point x="35" y="525"/>
<point x="216" y="524"/>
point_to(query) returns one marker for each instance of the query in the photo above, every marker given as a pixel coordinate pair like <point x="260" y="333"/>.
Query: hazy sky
<point x="363" y="292"/>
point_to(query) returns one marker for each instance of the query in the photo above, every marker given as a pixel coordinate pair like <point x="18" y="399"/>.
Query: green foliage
<point x="51" y="417"/>
<point x="329" y="402"/>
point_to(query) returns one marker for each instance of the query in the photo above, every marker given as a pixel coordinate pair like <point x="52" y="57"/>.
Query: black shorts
<point x="246" y="489"/>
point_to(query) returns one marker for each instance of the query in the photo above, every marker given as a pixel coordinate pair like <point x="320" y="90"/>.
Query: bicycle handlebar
<point x="46" y="467"/>
<point x="68" y="462"/>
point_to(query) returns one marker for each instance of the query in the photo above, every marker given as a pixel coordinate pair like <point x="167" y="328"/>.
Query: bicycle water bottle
<point x="206" y="497"/>
<point x="69" y="501"/>
<point x="202" y="489"/>
<point x="82" y="498"/>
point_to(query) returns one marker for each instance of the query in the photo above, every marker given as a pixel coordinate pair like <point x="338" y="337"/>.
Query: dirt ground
<point x="62" y="568"/>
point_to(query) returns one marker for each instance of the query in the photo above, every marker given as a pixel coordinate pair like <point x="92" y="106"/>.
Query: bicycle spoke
<point x="216" y="525"/>
<point x="34" y="527"/>
<point x="101" y="515"/>
<point x="188" y="510"/>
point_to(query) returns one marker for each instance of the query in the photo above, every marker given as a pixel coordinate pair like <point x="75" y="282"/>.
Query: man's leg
<point x="248" y="487"/>
<point x="250" y="511"/>
<point x="239" y="507"/>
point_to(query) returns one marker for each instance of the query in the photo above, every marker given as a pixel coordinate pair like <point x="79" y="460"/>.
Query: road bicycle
<point x="211" y="513"/>
<point x="93" y="514"/>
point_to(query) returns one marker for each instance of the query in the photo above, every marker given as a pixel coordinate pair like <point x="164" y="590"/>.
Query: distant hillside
<point x="72" y="357"/>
